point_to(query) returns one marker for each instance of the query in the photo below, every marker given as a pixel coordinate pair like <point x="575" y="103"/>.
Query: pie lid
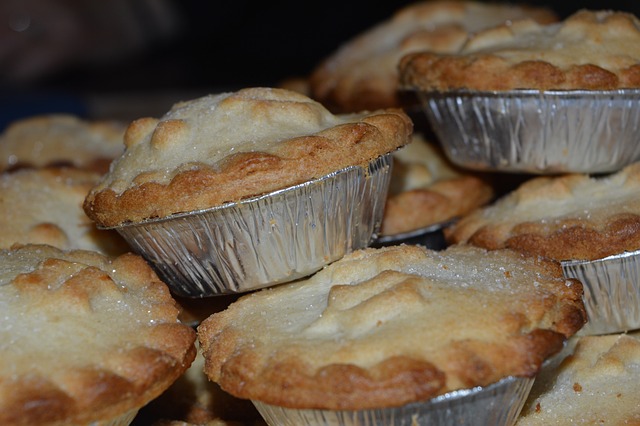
<point x="266" y="240"/>
<point x="87" y="339"/>
<point x="496" y="404"/>
<point x="611" y="292"/>
<point x="538" y="132"/>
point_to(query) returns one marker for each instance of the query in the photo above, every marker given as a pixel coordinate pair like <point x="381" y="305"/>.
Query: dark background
<point x="102" y="71"/>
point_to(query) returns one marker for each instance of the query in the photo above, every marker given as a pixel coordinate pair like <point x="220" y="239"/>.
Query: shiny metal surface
<point x="611" y="292"/>
<point x="431" y="237"/>
<point x="537" y="132"/>
<point x="267" y="240"/>
<point x="498" y="404"/>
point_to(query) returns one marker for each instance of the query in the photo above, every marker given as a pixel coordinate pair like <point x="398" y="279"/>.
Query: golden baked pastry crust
<point x="61" y="139"/>
<point x="44" y="206"/>
<point x="570" y="217"/>
<point x="193" y="399"/>
<point x="590" y="50"/>
<point x="426" y="189"/>
<point x="385" y="327"/>
<point x="598" y="383"/>
<point x="223" y="148"/>
<point x="84" y="338"/>
<point x="362" y="74"/>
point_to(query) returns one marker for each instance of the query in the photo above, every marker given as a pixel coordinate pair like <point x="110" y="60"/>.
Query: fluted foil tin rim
<point x="244" y="201"/>
<point x="497" y="404"/>
<point x="611" y="292"/>
<point x="269" y="239"/>
<point x="539" y="132"/>
<point x="536" y="92"/>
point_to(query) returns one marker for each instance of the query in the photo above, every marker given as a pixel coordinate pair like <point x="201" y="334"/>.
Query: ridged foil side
<point x="611" y="292"/>
<point x="498" y="404"/>
<point x="537" y="132"/>
<point x="271" y="239"/>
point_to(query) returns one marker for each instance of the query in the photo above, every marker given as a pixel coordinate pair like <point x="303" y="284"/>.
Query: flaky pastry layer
<point x="227" y="147"/>
<point x="570" y="217"/>
<point x="386" y="327"/>
<point x="590" y="50"/>
<point x="84" y="338"/>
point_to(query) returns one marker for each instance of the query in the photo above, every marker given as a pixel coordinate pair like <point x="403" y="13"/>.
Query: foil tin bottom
<point x="431" y="237"/>
<point x="535" y="131"/>
<point x="611" y="292"/>
<point x="498" y="404"/>
<point x="267" y="240"/>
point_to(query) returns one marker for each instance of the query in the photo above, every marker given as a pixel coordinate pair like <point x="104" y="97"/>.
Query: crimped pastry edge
<point x="559" y="238"/>
<point x="34" y="399"/>
<point x="485" y="71"/>
<point x="285" y="382"/>
<point x="250" y="174"/>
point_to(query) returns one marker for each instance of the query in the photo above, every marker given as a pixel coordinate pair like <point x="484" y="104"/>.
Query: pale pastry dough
<point x="385" y="327"/>
<point x="227" y="147"/>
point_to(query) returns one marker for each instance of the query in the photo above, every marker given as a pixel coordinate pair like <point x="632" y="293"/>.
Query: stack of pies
<point x="270" y="202"/>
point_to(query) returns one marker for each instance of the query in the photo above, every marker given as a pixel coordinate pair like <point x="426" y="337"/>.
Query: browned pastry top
<point x="426" y="189"/>
<point x="565" y="217"/>
<point x="84" y="338"/>
<point x="227" y="147"/>
<point x="61" y="139"/>
<point x="385" y="327"/>
<point x="362" y="74"/>
<point x="590" y="50"/>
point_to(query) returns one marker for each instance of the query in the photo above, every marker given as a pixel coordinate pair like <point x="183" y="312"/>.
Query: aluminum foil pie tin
<point x="611" y="292"/>
<point x="531" y="131"/>
<point x="498" y="404"/>
<point x="431" y="237"/>
<point x="270" y="239"/>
